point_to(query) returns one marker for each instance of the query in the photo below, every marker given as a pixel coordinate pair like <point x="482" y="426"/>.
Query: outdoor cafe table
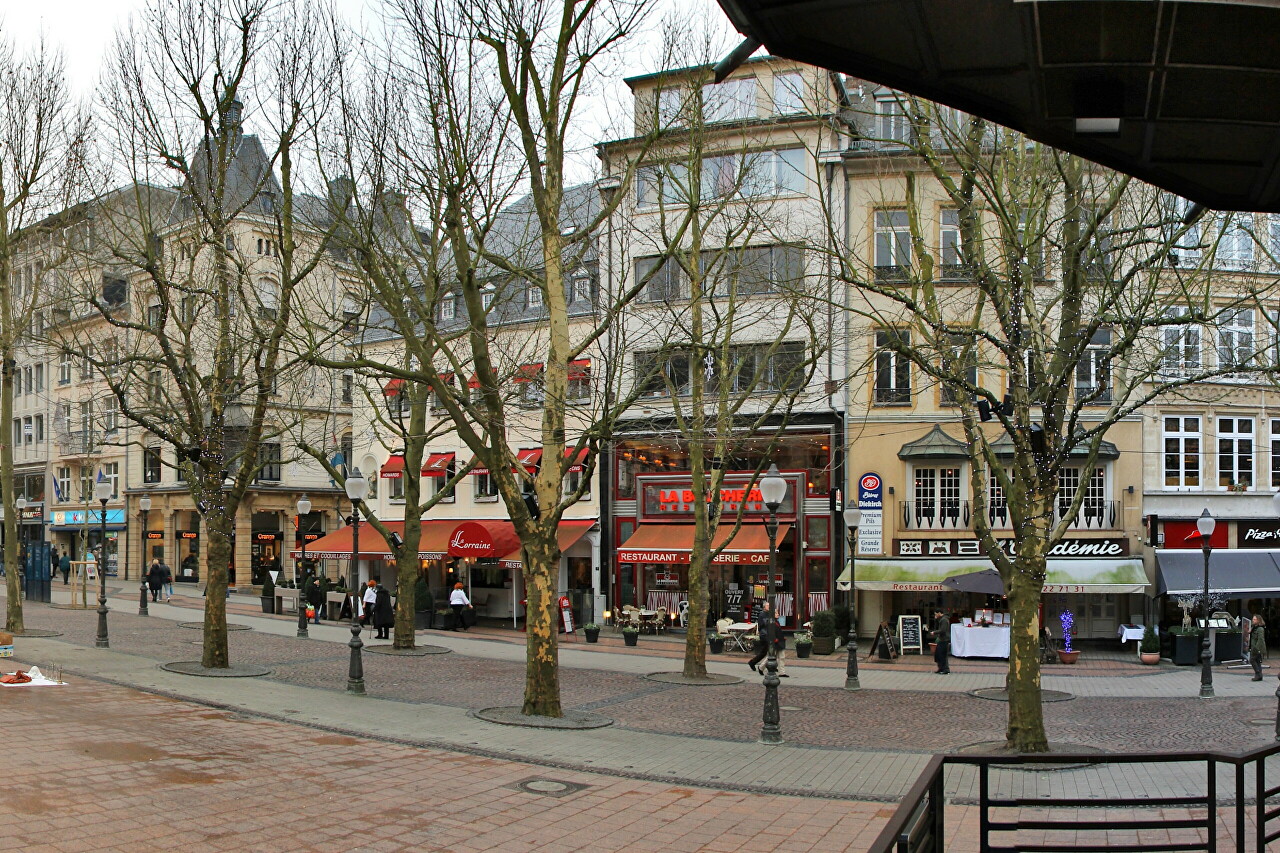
<point x="738" y="634"/>
<point x="975" y="641"/>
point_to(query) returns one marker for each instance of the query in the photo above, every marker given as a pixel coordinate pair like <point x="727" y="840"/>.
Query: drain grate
<point x="547" y="787"/>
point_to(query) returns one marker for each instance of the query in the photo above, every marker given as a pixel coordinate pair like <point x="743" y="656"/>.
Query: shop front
<point x="188" y="570"/>
<point x="1243" y="580"/>
<point x="80" y="532"/>
<point x="267" y="545"/>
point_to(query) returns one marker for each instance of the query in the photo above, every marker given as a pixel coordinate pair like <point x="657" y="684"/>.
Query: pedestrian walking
<point x="942" y="639"/>
<point x="384" y="616"/>
<point x="458" y="600"/>
<point x="155" y="579"/>
<point x="53" y="562"/>
<point x="168" y="580"/>
<point x="769" y="634"/>
<point x="1257" y="645"/>
<point x="64" y="566"/>
<point x="370" y="598"/>
<point x="316" y="598"/>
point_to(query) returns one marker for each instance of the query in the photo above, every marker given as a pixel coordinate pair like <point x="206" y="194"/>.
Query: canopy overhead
<point x="1068" y="576"/>
<point x="432" y="544"/>
<point x="935" y="445"/>
<point x="673" y="544"/>
<point x="568" y="534"/>
<point x="1181" y="95"/>
<point x="985" y="582"/>
<point x="1233" y="573"/>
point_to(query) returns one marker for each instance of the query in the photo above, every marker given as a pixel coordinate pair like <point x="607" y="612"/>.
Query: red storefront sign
<point x="682" y="557"/>
<point x="666" y="497"/>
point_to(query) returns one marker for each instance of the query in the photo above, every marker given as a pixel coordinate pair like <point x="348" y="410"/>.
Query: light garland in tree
<point x="1068" y="623"/>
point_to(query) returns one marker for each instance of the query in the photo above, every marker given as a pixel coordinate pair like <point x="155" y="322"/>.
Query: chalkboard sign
<point x="909" y="634"/>
<point x="733" y="601"/>
<point x="883" y="645"/>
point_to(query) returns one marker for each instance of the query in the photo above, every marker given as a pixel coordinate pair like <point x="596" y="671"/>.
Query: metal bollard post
<point x="771" y="731"/>
<point x="355" y="675"/>
<point x="142" y="600"/>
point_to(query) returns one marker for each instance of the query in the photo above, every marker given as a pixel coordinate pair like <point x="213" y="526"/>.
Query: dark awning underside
<point x="1235" y="573"/>
<point x="1193" y="83"/>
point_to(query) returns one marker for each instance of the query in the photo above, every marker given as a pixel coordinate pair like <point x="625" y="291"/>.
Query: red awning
<point x="672" y="544"/>
<point x="580" y="369"/>
<point x="567" y="535"/>
<point x="432" y="544"/>
<point x="437" y="465"/>
<point x="528" y="373"/>
<point x="474" y="381"/>
<point x="579" y="458"/>
<point x="529" y="458"/>
<point x="392" y="388"/>
<point x="393" y="468"/>
<point x="488" y="538"/>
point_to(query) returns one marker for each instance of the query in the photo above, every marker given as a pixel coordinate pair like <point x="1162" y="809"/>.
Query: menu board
<point x="910" y="634"/>
<point x="733" y="601"/>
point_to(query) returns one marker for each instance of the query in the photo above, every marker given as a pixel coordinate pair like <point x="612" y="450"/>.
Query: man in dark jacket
<point x="64" y="566"/>
<point x="942" y="636"/>
<point x="1257" y="645"/>
<point x="316" y="598"/>
<point x="770" y="636"/>
<point x="155" y="579"/>
<point x="384" y="616"/>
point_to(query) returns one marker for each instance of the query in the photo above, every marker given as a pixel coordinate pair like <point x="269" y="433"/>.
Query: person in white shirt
<point x="458" y="600"/>
<point x="370" y="598"/>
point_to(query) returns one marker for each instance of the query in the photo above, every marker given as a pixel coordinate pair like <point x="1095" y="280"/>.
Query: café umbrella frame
<point x="984" y="582"/>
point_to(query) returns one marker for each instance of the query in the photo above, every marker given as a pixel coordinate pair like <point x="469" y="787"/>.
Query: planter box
<point x="631" y="639"/>
<point x="824" y="645"/>
<point x="1228" y="645"/>
<point x="446" y="621"/>
<point x="268" y="604"/>
<point x="803" y="649"/>
<point x="421" y="620"/>
<point x="1186" y="649"/>
<point x="592" y="634"/>
<point x="717" y="646"/>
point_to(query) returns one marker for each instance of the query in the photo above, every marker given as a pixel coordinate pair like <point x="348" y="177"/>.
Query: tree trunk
<point x="1026" y="715"/>
<point x="215" y="655"/>
<point x="13" y="573"/>
<point x="406" y="581"/>
<point x="542" y="677"/>
<point x="695" y="641"/>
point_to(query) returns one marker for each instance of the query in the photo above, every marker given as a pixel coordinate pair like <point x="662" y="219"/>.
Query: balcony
<point x="80" y="442"/>
<point x="935" y="515"/>
<point x="957" y="515"/>
<point x="1093" y="515"/>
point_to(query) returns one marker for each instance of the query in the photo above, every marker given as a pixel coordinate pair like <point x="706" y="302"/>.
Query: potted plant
<point x="804" y="644"/>
<point x="444" y="620"/>
<point x="1067" y="654"/>
<point x="268" y="595"/>
<point x="631" y="635"/>
<point x="1150" y="646"/>
<point x="716" y="642"/>
<point x="592" y="632"/>
<point x="1186" y="646"/>
<point x="824" y="632"/>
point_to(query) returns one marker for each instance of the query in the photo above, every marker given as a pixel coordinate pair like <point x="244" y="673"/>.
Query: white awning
<point x="1117" y="577"/>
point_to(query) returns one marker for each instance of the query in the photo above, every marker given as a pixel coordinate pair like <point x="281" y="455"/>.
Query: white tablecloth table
<point x="1130" y="632"/>
<point x="978" y="642"/>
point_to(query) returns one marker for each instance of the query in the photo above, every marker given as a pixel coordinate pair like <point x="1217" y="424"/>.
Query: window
<point x="780" y="172"/>
<point x="1275" y="453"/>
<point x="485" y="488"/>
<point x="1235" y="244"/>
<point x="756" y="370"/>
<point x="751" y="368"/>
<point x="86" y="420"/>
<point x="655" y="370"/>
<point x="579" y="290"/>
<point x="268" y="298"/>
<point x="86" y="365"/>
<point x="1235" y="452"/>
<point x="110" y="414"/>
<point x="39" y="428"/>
<point x="86" y="484"/>
<point x="758" y="269"/>
<point x="533" y="392"/>
<point x="188" y="309"/>
<point x="40" y="376"/>
<point x="573" y="480"/>
<point x="788" y="93"/>
<point x="1235" y="338"/>
<point x="670" y="107"/>
<point x="666" y="279"/>
<point x="893" y="244"/>
<point x="64" y="368"/>
<point x="63" y="477"/>
<point x="151" y="465"/>
<point x="1180" y="346"/>
<point x="959" y="357"/>
<point x="348" y="386"/>
<point x="111" y="471"/>
<point x="269" y="462"/>
<point x="395" y="489"/>
<point x="893" y="369"/>
<point x="1093" y="369"/>
<point x="448" y="307"/>
<point x="28" y="430"/>
<point x="155" y="316"/>
<point x="1093" y="508"/>
<point x="486" y="297"/>
<point x="447" y="494"/>
<point x="667" y="183"/>
<point x="108" y="354"/>
<point x="1187" y="246"/>
<point x="115" y="289"/>
<point x="533" y="296"/>
<point x="579" y="385"/>
<point x="949" y="244"/>
<point x="437" y="401"/>
<point x="997" y="503"/>
<point x="155" y="387"/>
<point x="732" y="100"/>
<point x="29" y="380"/>
<point x="350" y="311"/>
<point x="891" y="120"/>
<point x="1274" y="221"/>
<point x="936" y="498"/>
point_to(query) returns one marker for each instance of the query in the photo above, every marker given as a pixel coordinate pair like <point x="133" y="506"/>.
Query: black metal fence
<point x="919" y="823"/>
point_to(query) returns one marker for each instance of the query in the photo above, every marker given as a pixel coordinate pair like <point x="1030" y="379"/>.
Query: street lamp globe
<point x="102" y="491"/>
<point x="20" y="504"/>
<point x="356" y="484"/>
<point x="852" y="518"/>
<point x="304" y="505"/>
<point x="144" y="503"/>
<point x="1206" y="523"/>
<point x="773" y="488"/>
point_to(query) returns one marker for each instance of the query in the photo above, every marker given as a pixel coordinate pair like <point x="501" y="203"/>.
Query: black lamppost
<point x="852" y="518"/>
<point x="102" y="491"/>
<point x="304" y="508"/>
<point x="355" y="485"/>
<point x="773" y="489"/>
<point x="1205" y="525"/>
<point x="20" y="504"/>
<point x="144" y="504"/>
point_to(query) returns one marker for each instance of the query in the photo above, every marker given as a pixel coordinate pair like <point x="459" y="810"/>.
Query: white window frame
<point x="896" y="366"/>
<point x="448" y="307"/>
<point x="1237" y="447"/>
<point x="1275" y="453"/>
<point x="111" y="471"/>
<point x="789" y="93"/>
<point x="1181" y="351"/>
<point x="892" y="126"/>
<point x="937" y="497"/>
<point x="533" y="296"/>
<point x="950" y="246"/>
<point x="1235" y="243"/>
<point x="1182" y="442"/>
<point x="63" y="476"/>
<point x="484" y="490"/>
<point x="1093" y="370"/>
<point x="1236" y="343"/>
<point x="892" y="239"/>
<point x="735" y="99"/>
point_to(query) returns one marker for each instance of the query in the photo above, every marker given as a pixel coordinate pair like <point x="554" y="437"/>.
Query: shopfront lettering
<point x="459" y="542"/>
<point x="916" y="587"/>
<point x="682" y="558"/>
<point x="731" y="500"/>
<point x="1065" y="548"/>
<point x="1259" y="534"/>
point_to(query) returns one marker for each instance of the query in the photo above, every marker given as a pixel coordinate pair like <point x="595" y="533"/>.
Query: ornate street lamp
<point x="144" y="504"/>
<point x="1205" y="525"/>
<point x="102" y="491"/>
<point x="356" y="486"/>
<point x="304" y="508"/>
<point x="852" y="518"/>
<point x="773" y="489"/>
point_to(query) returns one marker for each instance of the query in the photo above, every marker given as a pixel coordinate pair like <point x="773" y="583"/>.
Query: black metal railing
<point x="919" y="826"/>
<point x="945" y="514"/>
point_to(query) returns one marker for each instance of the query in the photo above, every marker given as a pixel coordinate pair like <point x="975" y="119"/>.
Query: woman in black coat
<point x="384" y="617"/>
<point x="316" y="598"/>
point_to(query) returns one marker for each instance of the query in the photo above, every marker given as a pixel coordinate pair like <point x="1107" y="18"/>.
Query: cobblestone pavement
<point x="119" y="770"/>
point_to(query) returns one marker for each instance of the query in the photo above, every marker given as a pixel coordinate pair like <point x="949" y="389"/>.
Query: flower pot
<point x="803" y="649"/>
<point x="717" y="645"/>
<point x="824" y="645"/>
<point x="631" y="638"/>
<point x="1186" y="649"/>
<point x="268" y="604"/>
<point x="592" y="634"/>
<point x="1065" y="656"/>
<point x="1151" y="658"/>
<point x="421" y="620"/>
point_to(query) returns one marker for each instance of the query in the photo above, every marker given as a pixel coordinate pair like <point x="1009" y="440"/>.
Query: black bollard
<point x="771" y="731"/>
<point x="142" y="600"/>
<point x="355" y="675"/>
